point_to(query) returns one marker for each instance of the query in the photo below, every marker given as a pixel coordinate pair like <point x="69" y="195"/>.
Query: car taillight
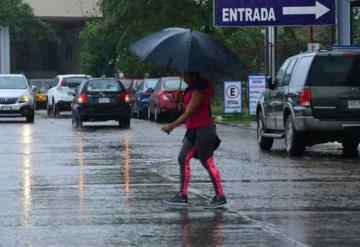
<point x="83" y="99"/>
<point x="124" y="97"/>
<point x="163" y="97"/>
<point x="305" y="97"/>
<point x="60" y="87"/>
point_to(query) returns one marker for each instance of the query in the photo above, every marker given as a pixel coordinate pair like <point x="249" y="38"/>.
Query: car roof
<point x="14" y="75"/>
<point x="73" y="75"/>
<point x="170" y="78"/>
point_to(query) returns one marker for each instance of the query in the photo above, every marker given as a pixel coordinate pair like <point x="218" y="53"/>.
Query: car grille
<point x="8" y="101"/>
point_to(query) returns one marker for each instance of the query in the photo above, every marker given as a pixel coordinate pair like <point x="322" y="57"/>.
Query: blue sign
<point x="240" y="13"/>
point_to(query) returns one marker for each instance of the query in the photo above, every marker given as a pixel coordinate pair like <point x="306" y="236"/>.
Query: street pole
<point x="344" y="22"/>
<point x="270" y="51"/>
<point x="4" y="50"/>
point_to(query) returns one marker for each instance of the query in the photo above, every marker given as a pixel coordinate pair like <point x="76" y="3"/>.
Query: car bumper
<point x="88" y="113"/>
<point x="64" y="105"/>
<point x="313" y="124"/>
<point x="16" y="110"/>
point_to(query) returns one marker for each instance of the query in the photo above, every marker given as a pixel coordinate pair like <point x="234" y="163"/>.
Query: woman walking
<point x="200" y="139"/>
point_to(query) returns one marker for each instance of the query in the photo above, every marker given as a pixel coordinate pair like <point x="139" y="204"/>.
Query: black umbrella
<point x="186" y="50"/>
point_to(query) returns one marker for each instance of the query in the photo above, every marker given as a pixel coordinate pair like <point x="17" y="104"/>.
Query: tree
<point x="24" y="25"/>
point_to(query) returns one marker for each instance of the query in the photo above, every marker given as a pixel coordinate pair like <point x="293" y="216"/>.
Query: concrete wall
<point x="64" y="8"/>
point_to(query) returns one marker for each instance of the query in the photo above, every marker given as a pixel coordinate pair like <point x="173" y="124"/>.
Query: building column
<point x="4" y="50"/>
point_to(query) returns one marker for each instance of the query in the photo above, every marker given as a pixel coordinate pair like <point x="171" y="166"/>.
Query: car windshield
<point x="103" y="86"/>
<point x="335" y="70"/>
<point x="150" y="83"/>
<point x="126" y="83"/>
<point x="12" y="82"/>
<point x="73" y="82"/>
<point x="174" y="84"/>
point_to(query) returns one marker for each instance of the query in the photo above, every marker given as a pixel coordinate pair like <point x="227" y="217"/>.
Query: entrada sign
<point x="238" y="13"/>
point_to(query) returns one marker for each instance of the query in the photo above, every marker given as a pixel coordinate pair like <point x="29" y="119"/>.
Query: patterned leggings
<point x="203" y="148"/>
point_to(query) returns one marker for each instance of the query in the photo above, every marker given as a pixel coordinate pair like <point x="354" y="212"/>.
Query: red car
<point x="163" y="101"/>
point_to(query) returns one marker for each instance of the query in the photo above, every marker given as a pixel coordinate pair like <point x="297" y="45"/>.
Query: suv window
<point x="73" y="82"/>
<point x="302" y="69"/>
<point x="175" y="84"/>
<point x="336" y="70"/>
<point x="150" y="83"/>
<point x="281" y="73"/>
<point x="288" y="73"/>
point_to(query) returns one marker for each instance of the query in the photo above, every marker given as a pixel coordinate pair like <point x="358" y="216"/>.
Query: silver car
<point x="16" y="97"/>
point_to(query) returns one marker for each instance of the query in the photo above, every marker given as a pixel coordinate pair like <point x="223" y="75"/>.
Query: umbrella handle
<point x="178" y="95"/>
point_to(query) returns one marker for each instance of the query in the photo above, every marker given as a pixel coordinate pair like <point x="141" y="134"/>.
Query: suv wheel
<point x="49" y="110"/>
<point x="350" y="148"/>
<point x="124" y="123"/>
<point x="157" y="115"/>
<point x="265" y="143"/>
<point x="30" y="118"/>
<point x="295" y="145"/>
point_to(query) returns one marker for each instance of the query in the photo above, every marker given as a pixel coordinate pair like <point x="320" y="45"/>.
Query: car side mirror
<point x="270" y="82"/>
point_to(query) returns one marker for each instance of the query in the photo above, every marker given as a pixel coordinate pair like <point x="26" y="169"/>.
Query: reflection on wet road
<point x="104" y="186"/>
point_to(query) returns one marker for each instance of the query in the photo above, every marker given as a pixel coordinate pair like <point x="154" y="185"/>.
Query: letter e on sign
<point x="233" y="92"/>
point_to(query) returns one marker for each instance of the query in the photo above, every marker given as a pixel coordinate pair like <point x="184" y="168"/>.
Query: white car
<point x="61" y="95"/>
<point x="16" y="97"/>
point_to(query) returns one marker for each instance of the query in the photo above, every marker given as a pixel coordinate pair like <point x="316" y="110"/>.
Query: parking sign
<point x="232" y="97"/>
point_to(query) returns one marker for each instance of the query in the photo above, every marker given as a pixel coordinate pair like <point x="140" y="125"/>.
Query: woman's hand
<point x="168" y="128"/>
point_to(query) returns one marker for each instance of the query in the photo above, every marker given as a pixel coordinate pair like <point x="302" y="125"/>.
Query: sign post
<point x="232" y="97"/>
<point x="242" y="13"/>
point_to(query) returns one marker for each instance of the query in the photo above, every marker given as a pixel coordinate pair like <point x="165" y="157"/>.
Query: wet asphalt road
<point x="104" y="186"/>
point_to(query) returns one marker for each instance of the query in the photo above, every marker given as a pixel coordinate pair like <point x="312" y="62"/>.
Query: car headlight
<point x="25" y="98"/>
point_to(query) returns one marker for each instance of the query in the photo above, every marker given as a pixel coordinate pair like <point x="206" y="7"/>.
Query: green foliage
<point x="24" y="25"/>
<point x="97" y="50"/>
<point x="125" y="21"/>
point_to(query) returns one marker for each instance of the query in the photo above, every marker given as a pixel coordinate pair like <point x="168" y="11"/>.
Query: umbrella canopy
<point x="186" y="50"/>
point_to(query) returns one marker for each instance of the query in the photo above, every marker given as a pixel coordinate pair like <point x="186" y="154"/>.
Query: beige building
<point x="48" y="59"/>
<point x="65" y="9"/>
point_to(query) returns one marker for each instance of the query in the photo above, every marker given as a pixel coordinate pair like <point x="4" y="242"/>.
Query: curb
<point x="237" y="125"/>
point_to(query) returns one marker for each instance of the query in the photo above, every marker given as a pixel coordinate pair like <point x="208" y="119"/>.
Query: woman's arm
<point x="196" y="99"/>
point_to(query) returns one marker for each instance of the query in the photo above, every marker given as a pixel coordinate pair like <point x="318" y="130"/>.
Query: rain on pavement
<point x="104" y="186"/>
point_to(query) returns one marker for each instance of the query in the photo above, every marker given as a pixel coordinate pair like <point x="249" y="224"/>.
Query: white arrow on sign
<point x="319" y="10"/>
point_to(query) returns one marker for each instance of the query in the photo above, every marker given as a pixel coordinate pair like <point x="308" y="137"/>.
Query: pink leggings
<point x="203" y="148"/>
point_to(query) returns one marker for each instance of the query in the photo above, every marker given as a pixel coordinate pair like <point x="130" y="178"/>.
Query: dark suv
<point x="315" y="98"/>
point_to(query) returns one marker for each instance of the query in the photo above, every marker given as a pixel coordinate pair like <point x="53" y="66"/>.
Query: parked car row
<point x="156" y="98"/>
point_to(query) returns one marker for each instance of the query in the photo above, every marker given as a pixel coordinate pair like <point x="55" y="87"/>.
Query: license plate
<point x="6" y="108"/>
<point x="104" y="100"/>
<point x="354" y="104"/>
